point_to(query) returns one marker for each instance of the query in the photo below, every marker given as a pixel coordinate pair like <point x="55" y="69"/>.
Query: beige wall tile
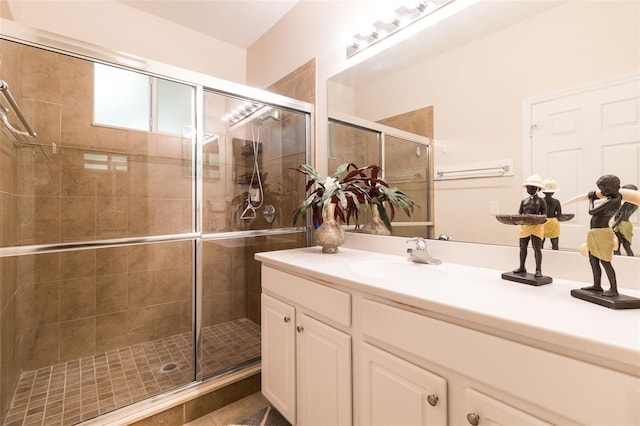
<point x="140" y="291"/>
<point x="140" y="325"/>
<point x="111" y="260"/>
<point x="38" y="175"/>
<point x="168" y="319"/>
<point x="77" y="298"/>
<point x="39" y="220"/>
<point x="78" y="218"/>
<point x="40" y="304"/>
<point x="77" y="338"/>
<point x="39" y="75"/>
<point x="77" y="180"/>
<point x="40" y="346"/>
<point x="111" y="293"/>
<point x="9" y="279"/>
<point x="76" y="264"/>
<point x="111" y="332"/>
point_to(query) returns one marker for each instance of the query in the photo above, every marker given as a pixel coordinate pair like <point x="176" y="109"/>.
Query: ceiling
<point x="237" y="22"/>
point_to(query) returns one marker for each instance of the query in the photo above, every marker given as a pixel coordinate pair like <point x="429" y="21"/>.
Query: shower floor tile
<point x="74" y="391"/>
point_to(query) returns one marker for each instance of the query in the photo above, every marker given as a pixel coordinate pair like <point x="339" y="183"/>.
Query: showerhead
<point x="272" y="113"/>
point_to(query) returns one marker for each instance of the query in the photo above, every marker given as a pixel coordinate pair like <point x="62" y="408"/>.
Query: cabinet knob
<point x="432" y="400"/>
<point x="473" y="418"/>
<point x="287" y="319"/>
<point x="299" y="328"/>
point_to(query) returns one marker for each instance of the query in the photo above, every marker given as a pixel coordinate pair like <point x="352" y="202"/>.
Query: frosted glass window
<point x="175" y="103"/>
<point x="122" y="98"/>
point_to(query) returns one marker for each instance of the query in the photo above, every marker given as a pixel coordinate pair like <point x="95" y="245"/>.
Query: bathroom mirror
<point x="488" y="72"/>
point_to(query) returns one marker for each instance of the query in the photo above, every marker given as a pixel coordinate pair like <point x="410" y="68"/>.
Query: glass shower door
<point x="249" y="193"/>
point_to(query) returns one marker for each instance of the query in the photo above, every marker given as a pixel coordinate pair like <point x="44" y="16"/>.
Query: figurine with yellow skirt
<point x="531" y="217"/>
<point x="554" y="211"/>
<point x="601" y="242"/>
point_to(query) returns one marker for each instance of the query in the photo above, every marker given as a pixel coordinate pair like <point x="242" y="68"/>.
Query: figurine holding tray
<point x="531" y="217"/>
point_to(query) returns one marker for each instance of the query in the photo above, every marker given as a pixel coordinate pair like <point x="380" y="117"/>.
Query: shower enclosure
<point x="128" y="228"/>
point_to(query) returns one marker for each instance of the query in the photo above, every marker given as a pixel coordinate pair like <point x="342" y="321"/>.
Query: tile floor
<point x="74" y="391"/>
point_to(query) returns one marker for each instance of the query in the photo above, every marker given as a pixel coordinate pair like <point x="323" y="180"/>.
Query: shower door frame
<point x="21" y="34"/>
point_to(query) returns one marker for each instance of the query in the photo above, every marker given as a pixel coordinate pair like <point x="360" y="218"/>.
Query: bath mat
<point x="267" y="416"/>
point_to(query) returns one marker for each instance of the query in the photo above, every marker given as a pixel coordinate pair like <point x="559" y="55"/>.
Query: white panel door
<point x="396" y="392"/>
<point x="324" y="374"/>
<point x="580" y="136"/>
<point x="278" y="356"/>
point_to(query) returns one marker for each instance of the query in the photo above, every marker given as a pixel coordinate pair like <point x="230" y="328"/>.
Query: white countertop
<point x="547" y="317"/>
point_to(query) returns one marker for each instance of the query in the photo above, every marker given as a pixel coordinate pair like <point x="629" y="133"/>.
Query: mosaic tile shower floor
<point x="71" y="392"/>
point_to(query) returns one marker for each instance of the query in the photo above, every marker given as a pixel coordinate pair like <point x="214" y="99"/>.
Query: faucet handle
<point x="421" y="244"/>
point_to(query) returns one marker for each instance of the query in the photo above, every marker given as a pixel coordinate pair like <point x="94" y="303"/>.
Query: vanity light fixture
<point x="402" y="17"/>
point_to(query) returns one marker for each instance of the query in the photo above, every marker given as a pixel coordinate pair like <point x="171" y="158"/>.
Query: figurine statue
<point x="601" y="239"/>
<point x="536" y="206"/>
<point x="554" y="211"/>
<point x="621" y="225"/>
<point x="601" y="242"/>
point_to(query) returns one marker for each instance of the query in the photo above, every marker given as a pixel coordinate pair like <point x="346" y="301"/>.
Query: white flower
<point x="331" y="184"/>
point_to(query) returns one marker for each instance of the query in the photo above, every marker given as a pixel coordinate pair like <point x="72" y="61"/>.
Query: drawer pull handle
<point x="299" y="328"/>
<point x="432" y="400"/>
<point x="287" y="319"/>
<point x="473" y="418"/>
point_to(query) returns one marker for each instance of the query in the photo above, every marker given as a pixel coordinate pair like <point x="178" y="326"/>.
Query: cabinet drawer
<point x="484" y="410"/>
<point x="560" y="384"/>
<point x="330" y="303"/>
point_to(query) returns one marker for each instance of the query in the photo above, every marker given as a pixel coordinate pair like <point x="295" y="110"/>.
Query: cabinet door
<point x="484" y="410"/>
<point x="324" y="374"/>
<point x="278" y="356"/>
<point x="396" y="392"/>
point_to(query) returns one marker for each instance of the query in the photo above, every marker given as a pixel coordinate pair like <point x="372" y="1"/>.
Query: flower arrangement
<point x="360" y="186"/>
<point x="379" y="193"/>
<point x="345" y="193"/>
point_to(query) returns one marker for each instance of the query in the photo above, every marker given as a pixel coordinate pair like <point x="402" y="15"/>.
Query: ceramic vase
<point x="375" y="225"/>
<point x="329" y="234"/>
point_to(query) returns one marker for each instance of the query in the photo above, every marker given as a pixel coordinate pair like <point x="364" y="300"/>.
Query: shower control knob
<point x="473" y="419"/>
<point x="299" y="328"/>
<point x="287" y="319"/>
<point x="432" y="400"/>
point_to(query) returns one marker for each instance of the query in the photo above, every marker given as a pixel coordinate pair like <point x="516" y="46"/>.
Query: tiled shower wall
<point x="96" y="183"/>
<point x="9" y="301"/>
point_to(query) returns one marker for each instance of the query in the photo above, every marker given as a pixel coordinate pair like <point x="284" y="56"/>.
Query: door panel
<point x="581" y="136"/>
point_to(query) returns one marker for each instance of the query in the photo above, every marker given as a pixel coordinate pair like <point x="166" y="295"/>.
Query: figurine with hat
<point x="531" y="217"/>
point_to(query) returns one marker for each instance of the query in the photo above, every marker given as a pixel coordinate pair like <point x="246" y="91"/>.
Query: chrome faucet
<point x="420" y="254"/>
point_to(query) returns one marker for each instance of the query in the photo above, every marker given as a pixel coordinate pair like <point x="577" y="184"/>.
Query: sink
<point x="397" y="270"/>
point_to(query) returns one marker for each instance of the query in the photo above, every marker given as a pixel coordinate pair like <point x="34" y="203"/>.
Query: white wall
<point x="114" y="26"/>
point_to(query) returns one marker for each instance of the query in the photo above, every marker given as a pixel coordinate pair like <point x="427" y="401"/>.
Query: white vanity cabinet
<point x="346" y="349"/>
<point x="527" y="386"/>
<point x="306" y="358"/>
<point x="396" y="392"/>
